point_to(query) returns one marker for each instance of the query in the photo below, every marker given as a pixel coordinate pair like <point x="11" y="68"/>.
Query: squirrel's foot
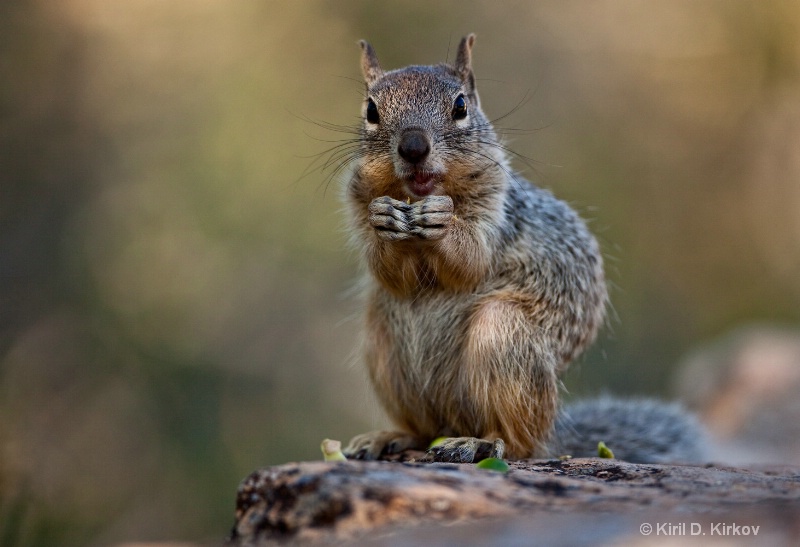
<point x="373" y="445"/>
<point x="466" y="450"/>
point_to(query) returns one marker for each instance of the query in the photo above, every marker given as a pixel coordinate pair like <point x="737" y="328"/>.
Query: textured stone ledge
<point x="590" y="500"/>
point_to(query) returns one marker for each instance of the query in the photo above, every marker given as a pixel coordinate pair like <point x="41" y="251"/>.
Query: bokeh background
<point x="174" y="307"/>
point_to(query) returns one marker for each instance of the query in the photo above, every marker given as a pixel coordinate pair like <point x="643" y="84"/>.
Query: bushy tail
<point x="637" y="430"/>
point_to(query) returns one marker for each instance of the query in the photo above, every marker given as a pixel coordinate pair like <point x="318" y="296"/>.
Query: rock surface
<point x="574" y="502"/>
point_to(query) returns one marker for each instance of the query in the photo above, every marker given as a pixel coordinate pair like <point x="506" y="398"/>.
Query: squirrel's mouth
<point x="422" y="183"/>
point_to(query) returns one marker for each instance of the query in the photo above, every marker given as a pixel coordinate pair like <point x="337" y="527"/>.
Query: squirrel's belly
<point x="420" y="377"/>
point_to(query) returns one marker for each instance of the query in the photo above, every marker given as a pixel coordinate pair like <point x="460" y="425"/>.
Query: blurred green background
<point x="173" y="279"/>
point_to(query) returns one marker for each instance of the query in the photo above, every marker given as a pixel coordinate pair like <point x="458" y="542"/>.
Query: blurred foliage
<point x="173" y="306"/>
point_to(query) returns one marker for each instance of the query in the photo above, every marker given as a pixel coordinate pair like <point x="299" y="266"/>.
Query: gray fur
<point x="636" y="430"/>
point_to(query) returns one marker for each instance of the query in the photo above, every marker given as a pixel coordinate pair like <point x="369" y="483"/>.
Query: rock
<point x="574" y="502"/>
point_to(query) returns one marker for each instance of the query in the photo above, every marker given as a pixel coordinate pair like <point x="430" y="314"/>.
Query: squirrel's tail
<point x="637" y="430"/>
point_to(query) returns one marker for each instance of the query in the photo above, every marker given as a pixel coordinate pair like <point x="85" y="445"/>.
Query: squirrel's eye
<point x="372" y="112"/>
<point x="460" y="108"/>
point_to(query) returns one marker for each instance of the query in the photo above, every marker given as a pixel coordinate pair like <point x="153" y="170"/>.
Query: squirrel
<point x="480" y="288"/>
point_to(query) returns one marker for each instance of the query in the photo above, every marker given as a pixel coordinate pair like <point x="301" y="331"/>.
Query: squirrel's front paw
<point x="466" y="450"/>
<point x="390" y="218"/>
<point x="395" y="220"/>
<point x="373" y="445"/>
<point x="431" y="217"/>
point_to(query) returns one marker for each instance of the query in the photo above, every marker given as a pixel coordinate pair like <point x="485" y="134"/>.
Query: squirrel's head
<point x="423" y="129"/>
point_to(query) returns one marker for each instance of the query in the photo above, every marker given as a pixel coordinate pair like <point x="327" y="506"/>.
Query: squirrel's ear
<point x="464" y="61"/>
<point x="369" y="63"/>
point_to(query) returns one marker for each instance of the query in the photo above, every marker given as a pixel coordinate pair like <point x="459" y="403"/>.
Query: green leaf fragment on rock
<point x="437" y="441"/>
<point x="332" y="451"/>
<point x="493" y="464"/>
<point x="603" y="451"/>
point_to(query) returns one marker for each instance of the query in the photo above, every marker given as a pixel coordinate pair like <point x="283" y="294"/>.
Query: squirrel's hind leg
<point x="508" y="375"/>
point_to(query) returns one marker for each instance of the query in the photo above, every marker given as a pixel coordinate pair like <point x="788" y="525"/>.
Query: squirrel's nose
<point x="414" y="146"/>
